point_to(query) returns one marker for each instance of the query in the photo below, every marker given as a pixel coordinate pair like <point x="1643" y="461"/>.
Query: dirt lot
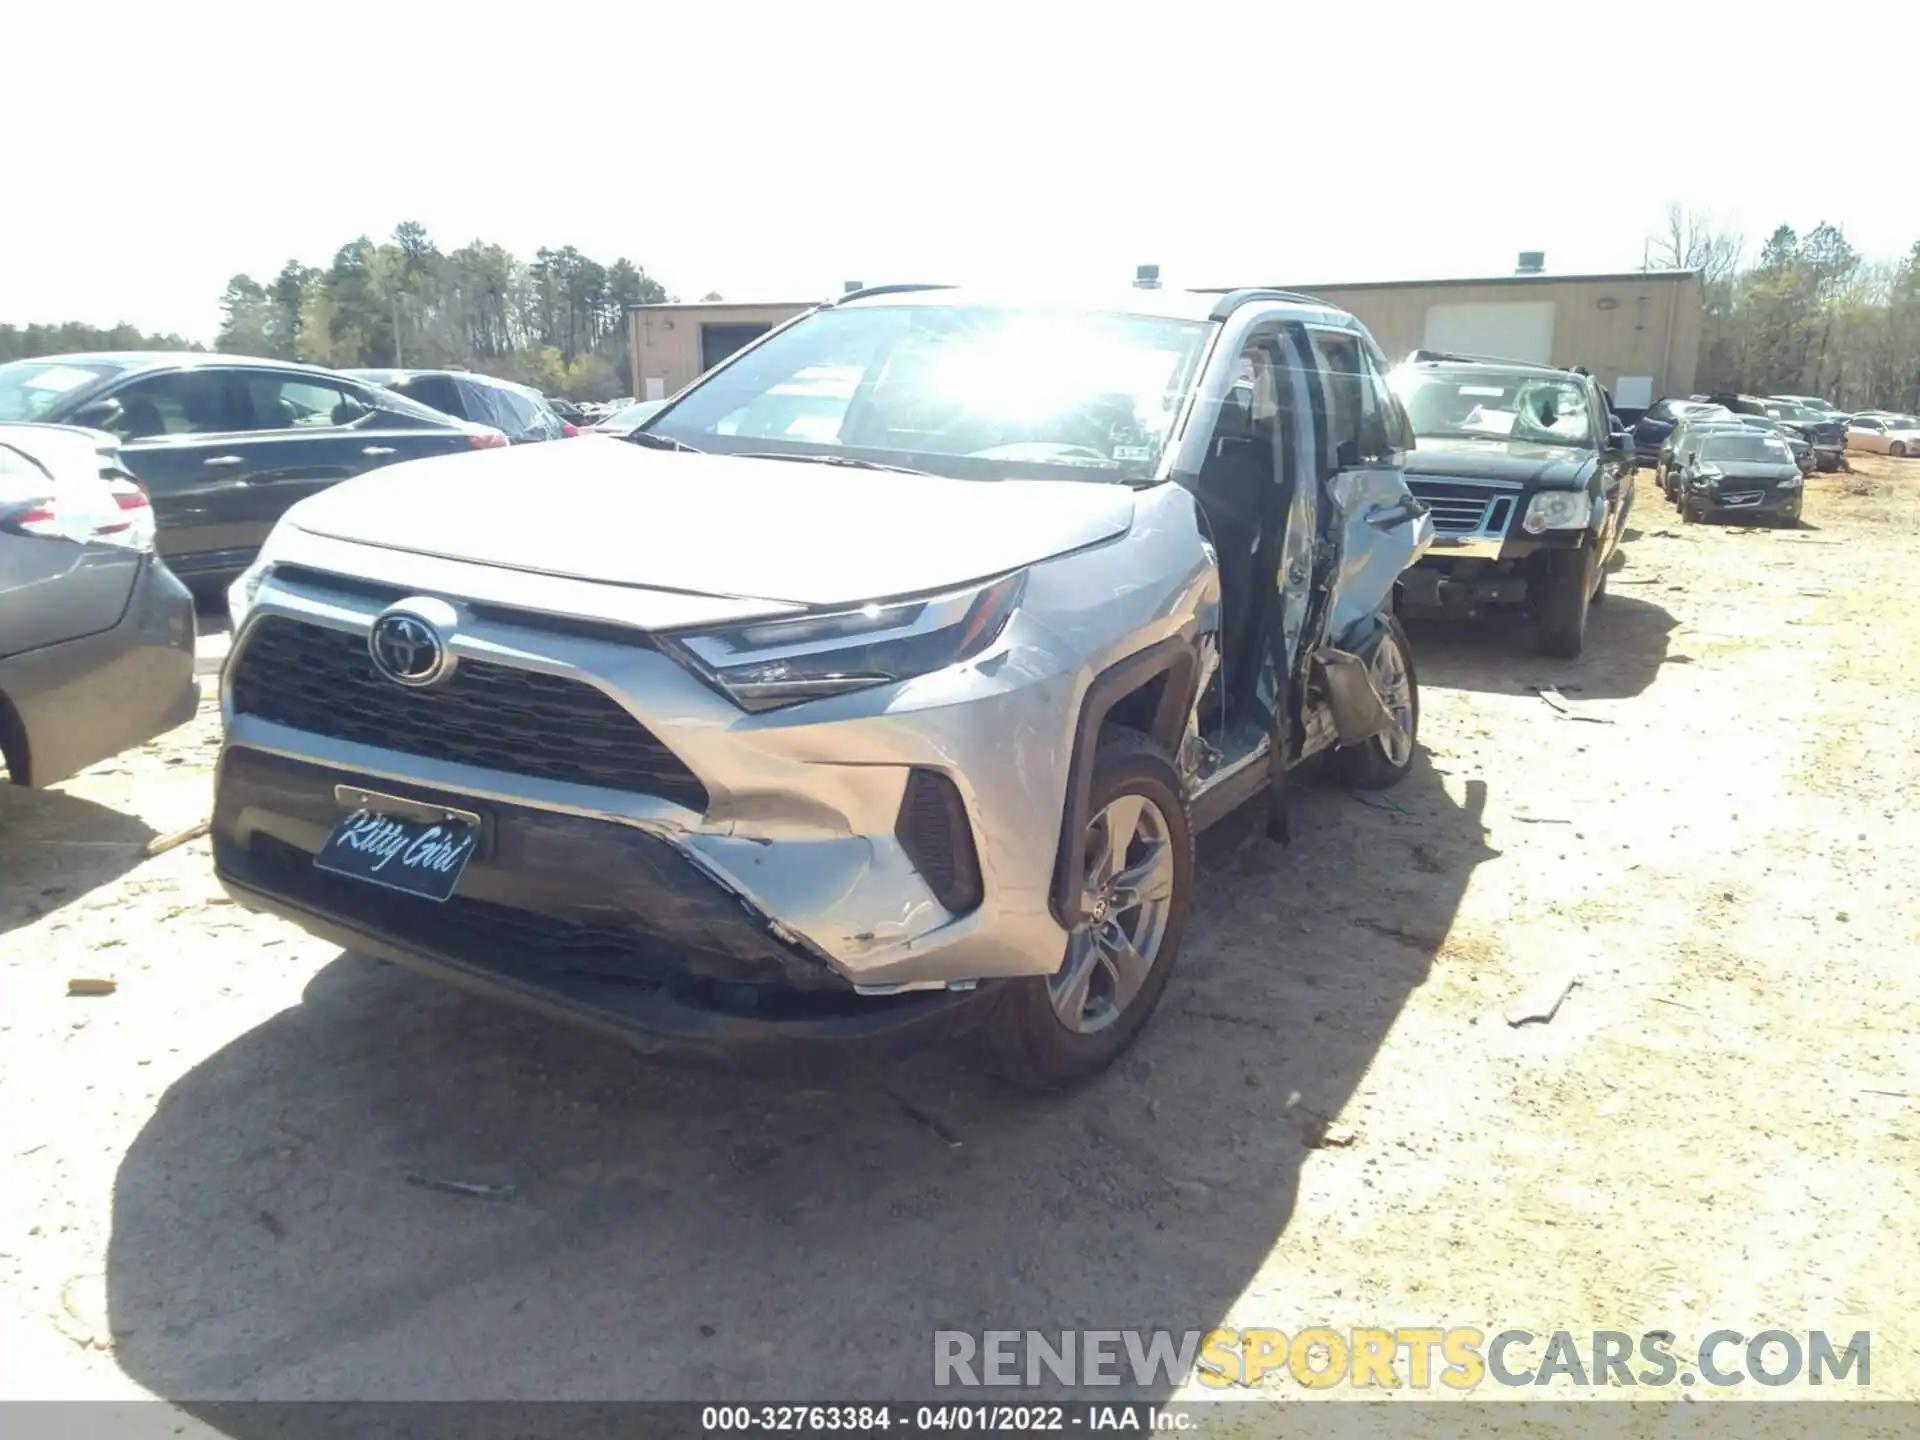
<point x="206" y="1172"/>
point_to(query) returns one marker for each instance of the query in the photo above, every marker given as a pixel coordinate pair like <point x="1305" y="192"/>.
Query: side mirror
<point x="96" y="416"/>
<point x="1622" y="440"/>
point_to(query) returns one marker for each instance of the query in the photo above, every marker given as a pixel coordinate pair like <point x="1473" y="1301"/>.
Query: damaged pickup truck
<point x="874" y="688"/>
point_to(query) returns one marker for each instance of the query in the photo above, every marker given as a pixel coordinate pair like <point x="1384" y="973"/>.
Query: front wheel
<point x="1565" y="595"/>
<point x="1386" y="758"/>
<point x="1050" y="1031"/>
<point x="1898" y="449"/>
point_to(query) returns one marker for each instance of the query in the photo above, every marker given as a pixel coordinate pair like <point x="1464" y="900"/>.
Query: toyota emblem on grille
<point x="407" y="650"/>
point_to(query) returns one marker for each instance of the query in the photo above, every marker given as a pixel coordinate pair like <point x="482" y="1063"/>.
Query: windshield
<point x="1458" y="405"/>
<point x="961" y="390"/>
<point x="1756" y="448"/>
<point x="30" y="389"/>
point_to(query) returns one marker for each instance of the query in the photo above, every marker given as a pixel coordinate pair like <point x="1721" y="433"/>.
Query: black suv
<point x="1529" y="481"/>
<point x="224" y="444"/>
<point x="519" y="412"/>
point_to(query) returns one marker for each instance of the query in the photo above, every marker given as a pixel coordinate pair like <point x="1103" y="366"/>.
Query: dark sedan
<point x="1740" y="471"/>
<point x="226" y="445"/>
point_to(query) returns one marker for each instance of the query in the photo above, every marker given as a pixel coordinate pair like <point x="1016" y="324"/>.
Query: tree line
<point x="24" y="342"/>
<point x="1809" y="315"/>
<point x="557" y="322"/>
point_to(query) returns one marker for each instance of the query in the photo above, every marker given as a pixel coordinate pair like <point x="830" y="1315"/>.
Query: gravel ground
<point x="206" y="1171"/>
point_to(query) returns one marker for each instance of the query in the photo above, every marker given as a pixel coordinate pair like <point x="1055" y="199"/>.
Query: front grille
<point x="497" y="717"/>
<point x="1461" y="507"/>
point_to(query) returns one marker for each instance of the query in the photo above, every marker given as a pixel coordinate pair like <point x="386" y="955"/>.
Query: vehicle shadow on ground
<point x="681" y="1234"/>
<point x="55" y="848"/>
<point x="1626" y="644"/>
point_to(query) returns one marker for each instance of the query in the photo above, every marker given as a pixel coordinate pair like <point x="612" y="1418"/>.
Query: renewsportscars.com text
<point x="1415" y="1358"/>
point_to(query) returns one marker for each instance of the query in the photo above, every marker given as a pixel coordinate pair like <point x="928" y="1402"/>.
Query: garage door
<point x="717" y="342"/>
<point x="1520" y="330"/>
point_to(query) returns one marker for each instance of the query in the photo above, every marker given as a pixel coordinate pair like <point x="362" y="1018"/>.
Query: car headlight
<point x="1792" y="482"/>
<point x="246" y="589"/>
<point x="767" y="664"/>
<point x="1703" y="478"/>
<point x="1557" y="510"/>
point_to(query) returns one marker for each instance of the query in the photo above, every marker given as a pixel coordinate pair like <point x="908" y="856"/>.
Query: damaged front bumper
<point x="1475" y="571"/>
<point x="587" y="919"/>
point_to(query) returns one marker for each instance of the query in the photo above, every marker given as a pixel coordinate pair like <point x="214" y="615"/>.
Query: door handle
<point x="378" y="450"/>
<point x="225" y="460"/>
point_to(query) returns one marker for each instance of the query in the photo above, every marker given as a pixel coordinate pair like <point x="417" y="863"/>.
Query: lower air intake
<point x="934" y="831"/>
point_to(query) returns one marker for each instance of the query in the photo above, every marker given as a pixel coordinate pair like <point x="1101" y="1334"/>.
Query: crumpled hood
<point x="1552" y="467"/>
<point x="609" y="511"/>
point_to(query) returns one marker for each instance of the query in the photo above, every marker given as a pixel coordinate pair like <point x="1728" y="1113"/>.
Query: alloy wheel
<point x="1126" y="900"/>
<point x="1396" y="691"/>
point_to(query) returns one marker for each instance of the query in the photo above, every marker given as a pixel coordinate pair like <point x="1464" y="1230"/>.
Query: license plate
<point x="413" y="854"/>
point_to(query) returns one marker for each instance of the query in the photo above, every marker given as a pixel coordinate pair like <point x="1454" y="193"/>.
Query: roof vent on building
<point x="849" y="286"/>
<point x="1532" y="262"/>
<point x="1147" y="277"/>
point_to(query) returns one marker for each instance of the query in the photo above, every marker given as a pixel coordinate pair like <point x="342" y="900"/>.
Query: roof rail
<point x="1427" y="356"/>
<point x="864" y="291"/>
<point x="1232" y="299"/>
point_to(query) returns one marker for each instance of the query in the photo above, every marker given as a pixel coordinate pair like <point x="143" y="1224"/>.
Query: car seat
<point x="140" y="420"/>
<point x="200" y="403"/>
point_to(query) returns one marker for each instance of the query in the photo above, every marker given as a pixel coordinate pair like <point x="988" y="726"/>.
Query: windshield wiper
<point x="851" y="461"/>
<point x="661" y="442"/>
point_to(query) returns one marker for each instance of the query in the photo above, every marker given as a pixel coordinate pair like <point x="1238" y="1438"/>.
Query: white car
<point x="1896" y="435"/>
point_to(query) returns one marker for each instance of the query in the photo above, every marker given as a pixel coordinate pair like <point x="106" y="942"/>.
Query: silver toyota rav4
<point x="874" y="688"/>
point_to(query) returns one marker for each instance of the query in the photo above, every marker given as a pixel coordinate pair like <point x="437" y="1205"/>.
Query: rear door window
<point x="298" y="402"/>
<point x="1362" y="429"/>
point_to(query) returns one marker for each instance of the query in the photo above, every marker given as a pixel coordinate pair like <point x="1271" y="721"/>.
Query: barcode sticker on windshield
<point x="1133" y="452"/>
<point x="1481" y="390"/>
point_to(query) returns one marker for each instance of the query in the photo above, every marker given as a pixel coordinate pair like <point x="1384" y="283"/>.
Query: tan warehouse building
<point x="1638" y="332"/>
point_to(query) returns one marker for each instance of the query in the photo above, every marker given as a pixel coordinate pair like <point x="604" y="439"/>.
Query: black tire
<point x="1898" y="449"/>
<point x="1030" y="1044"/>
<point x="1565" y="596"/>
<point x="1600" y="590"/>
<point x="1688" y="512"/>
<point x="1365" y="766"/>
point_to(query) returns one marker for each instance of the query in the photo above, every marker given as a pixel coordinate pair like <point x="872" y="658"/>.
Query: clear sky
<point x="774" y="150"/>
